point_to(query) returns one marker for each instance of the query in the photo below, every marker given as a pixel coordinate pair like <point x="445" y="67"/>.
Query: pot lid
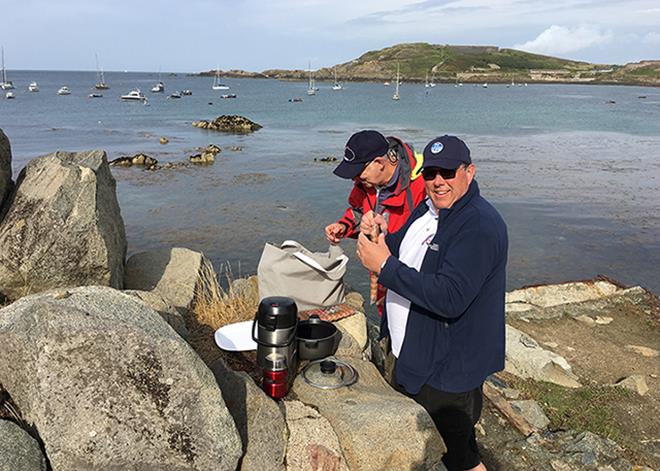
<point x="329" y="373"/>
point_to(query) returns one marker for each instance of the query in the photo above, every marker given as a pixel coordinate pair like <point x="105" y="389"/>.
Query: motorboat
<point x="158" y="88"/>
<point x="5" y="84"/>
<point x="64" y="90"/>
<point x="186" y="92"/>
<point x="216" y="81"/>
<point x="386" y="84"/>
<point x="33" y="87"/>
<point x="10" y="95"/>
<point x="485" y="85"/>
<point x="228" y="95"/>
<point x="175" y="95"/>
<point x="134" y="95"/>
<point x="95" y="95"/>
<point x="100" y="78"/>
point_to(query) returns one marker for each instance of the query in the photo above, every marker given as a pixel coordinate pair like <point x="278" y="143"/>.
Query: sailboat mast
<point x="397" y="79"/>
<point x="4" y="73"/>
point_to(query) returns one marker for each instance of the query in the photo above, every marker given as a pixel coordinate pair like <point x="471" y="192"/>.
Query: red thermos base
<point x="275" y="383"/>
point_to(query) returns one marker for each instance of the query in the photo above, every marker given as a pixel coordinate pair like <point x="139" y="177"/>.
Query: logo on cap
<point x="349" y="155"/>
<point x="437" y="147"/>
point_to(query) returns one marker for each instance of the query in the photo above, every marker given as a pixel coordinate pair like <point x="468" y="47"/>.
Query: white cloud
<point x="651" y="38"/>
<point x="561" y="40"/>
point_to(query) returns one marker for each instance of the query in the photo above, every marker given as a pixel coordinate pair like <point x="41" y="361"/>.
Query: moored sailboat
<point x="5" y="84"/>
<point x="216" y="81"/>
<point x="337" y="85"/>
<point x="396" y="95"/>
<point x="100" y="78"/>
<point x="311" y="88"/>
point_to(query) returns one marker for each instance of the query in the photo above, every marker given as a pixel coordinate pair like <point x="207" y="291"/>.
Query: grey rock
<point x="348" y="346"/>
<point x="531" y="301"/>
<point x="166" y="310"/>
<point x="63" y="227"/>
<point x="635" y="383"/>
<point x="18" y="450"/>
<point x="312" y="444"/>
<point x="109" y="385"/>
<point x="586" y="320"/>
<point x="231" y="123"/>
<point x="526" y="358"/>
<point x="5" y="168"/>
<point x="179" y="275"/>
<point x="642" y="350"/>
<point x="247" y="288"/>
<point x="594" y="452"/>
<point x="259" y="420"/>
<point x="356" y="327"/>
<point x="378" y="428"/>
<point x="532" y="412"/>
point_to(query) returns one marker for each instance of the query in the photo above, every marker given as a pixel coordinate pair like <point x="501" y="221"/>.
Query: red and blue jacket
<point x="407" y="194"/>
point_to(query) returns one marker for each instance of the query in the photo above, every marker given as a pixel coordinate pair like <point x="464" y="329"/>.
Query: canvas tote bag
<point x="312" y="279"/>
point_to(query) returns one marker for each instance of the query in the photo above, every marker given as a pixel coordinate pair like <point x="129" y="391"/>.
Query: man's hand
<point x="372" y="254"/>
<point x="335" y="232"/>
<point x="371" y="219"/>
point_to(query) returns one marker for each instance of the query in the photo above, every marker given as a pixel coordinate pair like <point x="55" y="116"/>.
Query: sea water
<point x="574" y="169"/>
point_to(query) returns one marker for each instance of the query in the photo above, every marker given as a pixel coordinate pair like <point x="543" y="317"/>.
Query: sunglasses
<point x="446" y="173"/>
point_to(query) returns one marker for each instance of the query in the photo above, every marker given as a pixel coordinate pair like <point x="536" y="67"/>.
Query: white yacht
<point x="158" y="88"/>
<point x="10" y="95"/>
<point x="311" y="88"/>
<point x="337" y="85"/>
<point x="100" y="78"/>
<point x="134" y="95"/>
<point x="64" y="90"/>
<point x="5" y="84"/>
<point x="33" y="87"/>
<point x="396" y="95"/>
<point x="216" y="81"/>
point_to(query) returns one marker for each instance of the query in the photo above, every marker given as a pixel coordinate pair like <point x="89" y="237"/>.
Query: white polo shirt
<point x="411" y="252"/>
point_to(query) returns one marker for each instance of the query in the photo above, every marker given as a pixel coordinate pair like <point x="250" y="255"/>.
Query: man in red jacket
<point x="384" y="171"/>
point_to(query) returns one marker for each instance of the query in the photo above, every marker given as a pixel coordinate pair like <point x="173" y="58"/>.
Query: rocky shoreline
<point x="108" y="363"/>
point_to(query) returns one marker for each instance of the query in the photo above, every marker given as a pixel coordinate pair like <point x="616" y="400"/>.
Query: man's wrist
<point x="382" y="265"/>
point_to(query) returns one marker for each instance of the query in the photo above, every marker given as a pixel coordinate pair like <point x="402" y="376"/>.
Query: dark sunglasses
<point x="446" y="173"/>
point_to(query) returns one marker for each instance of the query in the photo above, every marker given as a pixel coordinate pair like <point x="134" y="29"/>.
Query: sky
<point x="255" y="35"/>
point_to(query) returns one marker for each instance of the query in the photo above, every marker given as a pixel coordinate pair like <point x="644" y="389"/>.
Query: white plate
<point x="235" y="337"/>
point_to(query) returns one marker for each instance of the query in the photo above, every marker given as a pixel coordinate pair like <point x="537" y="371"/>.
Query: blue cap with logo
<point x="361" y="148"/>
<point x="447" y="152"/>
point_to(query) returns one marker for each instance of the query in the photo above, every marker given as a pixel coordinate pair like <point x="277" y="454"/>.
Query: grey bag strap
<point x="334" y="272"/>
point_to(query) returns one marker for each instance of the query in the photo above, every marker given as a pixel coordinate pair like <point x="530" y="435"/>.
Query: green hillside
<point x="445" y="63"/>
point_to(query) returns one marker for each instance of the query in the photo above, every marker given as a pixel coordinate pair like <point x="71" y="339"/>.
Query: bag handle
<point x="334" y="274"/>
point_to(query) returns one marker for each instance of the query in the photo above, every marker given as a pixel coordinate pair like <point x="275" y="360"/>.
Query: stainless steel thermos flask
<point x="274" y="331"/>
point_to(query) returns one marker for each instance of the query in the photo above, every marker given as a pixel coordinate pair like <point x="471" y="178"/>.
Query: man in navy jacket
<point x="445" y="271"/>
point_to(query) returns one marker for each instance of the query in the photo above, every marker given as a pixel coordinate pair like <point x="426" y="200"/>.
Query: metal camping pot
<point x="317" y="338"/>
<point x="275" y="324"/>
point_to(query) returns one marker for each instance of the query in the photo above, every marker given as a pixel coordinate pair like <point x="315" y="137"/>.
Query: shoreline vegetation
<point x="420" y="62"/>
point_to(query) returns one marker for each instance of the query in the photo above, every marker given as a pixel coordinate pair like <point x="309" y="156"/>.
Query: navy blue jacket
<point x="455" y="331"/>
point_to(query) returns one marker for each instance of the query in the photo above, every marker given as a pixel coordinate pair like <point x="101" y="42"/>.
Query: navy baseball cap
<point x="447" y="152"/>
<point x="361" y="148"/>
